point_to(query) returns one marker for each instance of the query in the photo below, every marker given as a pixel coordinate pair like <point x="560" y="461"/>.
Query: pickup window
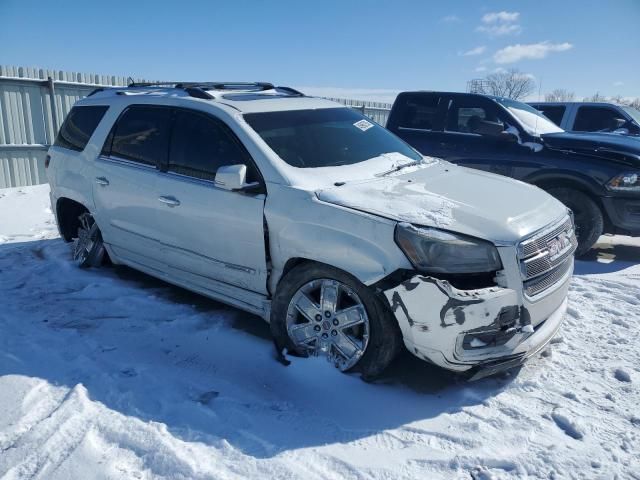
<point x="595" y="119"/>
<point x="465" y="115"/>
<point x="553" y="112"/>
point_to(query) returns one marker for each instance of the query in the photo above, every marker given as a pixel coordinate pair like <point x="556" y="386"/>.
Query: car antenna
<point x="535" y="130"/>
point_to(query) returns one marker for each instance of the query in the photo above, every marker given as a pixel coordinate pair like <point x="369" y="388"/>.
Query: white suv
<point x="328" y="226"/>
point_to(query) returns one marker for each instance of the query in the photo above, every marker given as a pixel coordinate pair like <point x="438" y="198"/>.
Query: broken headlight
<point x="625" y="182"/>
<point x="437" y="251"/>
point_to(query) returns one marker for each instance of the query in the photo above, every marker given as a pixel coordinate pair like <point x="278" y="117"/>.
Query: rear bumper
<point x="477" y="331"/>
<point x="623" y="213"/>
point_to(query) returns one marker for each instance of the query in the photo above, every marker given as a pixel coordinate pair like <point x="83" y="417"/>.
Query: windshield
<point x="533" y="121"/>
<point x="633" y="113"/>
<point x="325" y="137"/>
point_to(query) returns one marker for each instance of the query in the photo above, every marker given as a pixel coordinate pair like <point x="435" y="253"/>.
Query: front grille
<point x="540" y="284"/>
<point x="546" y="257"/>
<point x="538" y="242"/>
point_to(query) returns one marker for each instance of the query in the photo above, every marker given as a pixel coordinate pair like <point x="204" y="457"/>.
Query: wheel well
<point x="562" y="183"/>
<point x="67" y="213"/>
<point x="293" y="263"/>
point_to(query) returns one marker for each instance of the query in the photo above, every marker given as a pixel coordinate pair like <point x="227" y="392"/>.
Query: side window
<point x="553" y="113"/>
<point x="465" y="115"/>
<point x="593" y="119"/>
<point x="420" y="112"/>
<point x="142" y="135"/>
<point x="200" y="145"/>
<point x="78" y="127"/>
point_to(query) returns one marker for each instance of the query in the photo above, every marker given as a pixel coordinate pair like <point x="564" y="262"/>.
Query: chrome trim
<point x="555" y="228"/>
<point x="539" y="269"/>
<point x="409" y="129"/>
<point x="127" y="163"/>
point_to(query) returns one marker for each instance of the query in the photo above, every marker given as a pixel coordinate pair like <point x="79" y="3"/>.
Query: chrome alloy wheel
<point x="327" y="317"/>
<point x="84" y="245"/>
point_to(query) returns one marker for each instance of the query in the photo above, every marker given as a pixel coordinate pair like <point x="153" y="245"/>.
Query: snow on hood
<point x="453" y="198"/>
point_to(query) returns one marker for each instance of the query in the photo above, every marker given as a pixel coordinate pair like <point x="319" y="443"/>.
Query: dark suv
<point x="596" y="175"/>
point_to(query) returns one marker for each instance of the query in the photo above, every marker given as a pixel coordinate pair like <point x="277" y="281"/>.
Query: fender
<point x="358" y="243"/>
<point x="565" y="178"/>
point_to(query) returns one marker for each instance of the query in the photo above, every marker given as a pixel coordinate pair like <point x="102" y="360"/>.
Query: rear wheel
<point x="587" y="216"/>
<point x="320" y="310"/>
<point x="88" y="248"/>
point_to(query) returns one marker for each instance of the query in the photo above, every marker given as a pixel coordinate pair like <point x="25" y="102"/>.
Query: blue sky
<point x="584" y="46"/>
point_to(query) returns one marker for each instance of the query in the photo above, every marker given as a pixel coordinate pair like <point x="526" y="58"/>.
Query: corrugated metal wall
<point x="29" y="119"/>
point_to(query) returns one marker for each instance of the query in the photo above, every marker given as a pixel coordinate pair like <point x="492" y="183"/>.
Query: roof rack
<point x="199" y="89"/>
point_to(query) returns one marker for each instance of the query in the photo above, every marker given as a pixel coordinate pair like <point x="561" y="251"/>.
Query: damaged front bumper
<point x="479" y="331"/>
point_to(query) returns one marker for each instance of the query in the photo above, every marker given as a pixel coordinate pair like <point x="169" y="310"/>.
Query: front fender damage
<point x="457" y="328"/>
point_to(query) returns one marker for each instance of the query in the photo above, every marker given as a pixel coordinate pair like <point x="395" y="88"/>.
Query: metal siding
<point x="27" y="121"/>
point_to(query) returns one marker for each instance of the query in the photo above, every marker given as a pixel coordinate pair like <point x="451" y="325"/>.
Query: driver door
<point x="464" y="146"/>
<point x="212" y="237"/>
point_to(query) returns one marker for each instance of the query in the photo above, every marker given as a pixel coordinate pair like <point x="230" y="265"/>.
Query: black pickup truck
<point x="597" y="175"/>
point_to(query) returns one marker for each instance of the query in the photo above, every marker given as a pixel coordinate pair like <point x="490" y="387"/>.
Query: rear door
<point x="213" y="237"/>
<point x="125" y="184"/>
<point x="418" y="118"/>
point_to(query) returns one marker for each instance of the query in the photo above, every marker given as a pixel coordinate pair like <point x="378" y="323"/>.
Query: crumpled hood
<point x="453" y="198"/>
<point x="616" y="148"/>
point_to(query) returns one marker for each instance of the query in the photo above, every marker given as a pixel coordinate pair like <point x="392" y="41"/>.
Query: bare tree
<point x="510" y="84"/>
<point x="597" y="97"/>
<point x="635" y="103"/>
<point x="559" y="95"/>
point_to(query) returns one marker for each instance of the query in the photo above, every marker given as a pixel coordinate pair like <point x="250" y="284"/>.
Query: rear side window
<point x="79" y="126"/>
<point x="553" y="113"/>
<point x="141" y="134"/>
<point x="420" y="112"/>
<point x="594" y="119"/>
<point x="200" y="145"/>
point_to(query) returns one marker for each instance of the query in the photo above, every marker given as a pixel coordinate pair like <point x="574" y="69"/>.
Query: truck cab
<point x="603" y="117"/>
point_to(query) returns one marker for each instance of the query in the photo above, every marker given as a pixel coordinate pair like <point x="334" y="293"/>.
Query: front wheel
<point x="88" y="248"/>
<point x="320" y="310"/>
<point x="588" y="219"/>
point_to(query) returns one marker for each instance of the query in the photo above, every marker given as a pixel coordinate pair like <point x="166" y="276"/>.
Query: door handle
<point x="171" y="201"/>
<point x="102" y="181"/>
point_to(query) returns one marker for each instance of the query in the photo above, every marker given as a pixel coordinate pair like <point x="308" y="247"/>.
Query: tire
<point x="587" y="216"/>
<point x="383" y="334"/>
<point x="88" y="247"/>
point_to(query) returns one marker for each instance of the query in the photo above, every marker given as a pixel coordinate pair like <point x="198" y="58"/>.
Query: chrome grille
<point x="538" y="243"/>
<point x="540" y="284"/>
<point x="546" y="257"/>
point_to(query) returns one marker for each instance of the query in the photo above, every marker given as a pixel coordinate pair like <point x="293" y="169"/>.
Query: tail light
<point x="47" y="161"/>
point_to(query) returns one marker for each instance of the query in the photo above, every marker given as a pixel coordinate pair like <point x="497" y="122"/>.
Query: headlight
<point x="625" y="182"/>
<point x="437" y="251"/>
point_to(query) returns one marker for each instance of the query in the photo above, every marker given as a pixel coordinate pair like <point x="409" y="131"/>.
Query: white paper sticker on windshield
<point x="363" y="125"/>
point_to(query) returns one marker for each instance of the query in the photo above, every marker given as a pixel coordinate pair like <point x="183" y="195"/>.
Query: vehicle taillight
<point x="47" y="160"/>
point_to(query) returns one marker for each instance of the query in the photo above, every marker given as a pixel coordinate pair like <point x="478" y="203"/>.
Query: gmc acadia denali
<point x="300" y="210"/>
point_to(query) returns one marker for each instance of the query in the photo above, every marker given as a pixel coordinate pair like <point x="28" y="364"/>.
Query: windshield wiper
<point x="399" y="167"/>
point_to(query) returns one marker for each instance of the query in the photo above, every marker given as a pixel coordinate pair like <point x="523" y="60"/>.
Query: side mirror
<point x="508" y="137"/>
<point x="233" y="177"/>
<point x="486" y="127"/>
<point x="619" y="123"/>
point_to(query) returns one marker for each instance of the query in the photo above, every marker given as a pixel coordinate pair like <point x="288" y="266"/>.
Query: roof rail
<point x="199" y="89"/>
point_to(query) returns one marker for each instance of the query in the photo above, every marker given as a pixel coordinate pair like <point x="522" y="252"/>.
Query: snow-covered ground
<point x="111" y="374"/>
